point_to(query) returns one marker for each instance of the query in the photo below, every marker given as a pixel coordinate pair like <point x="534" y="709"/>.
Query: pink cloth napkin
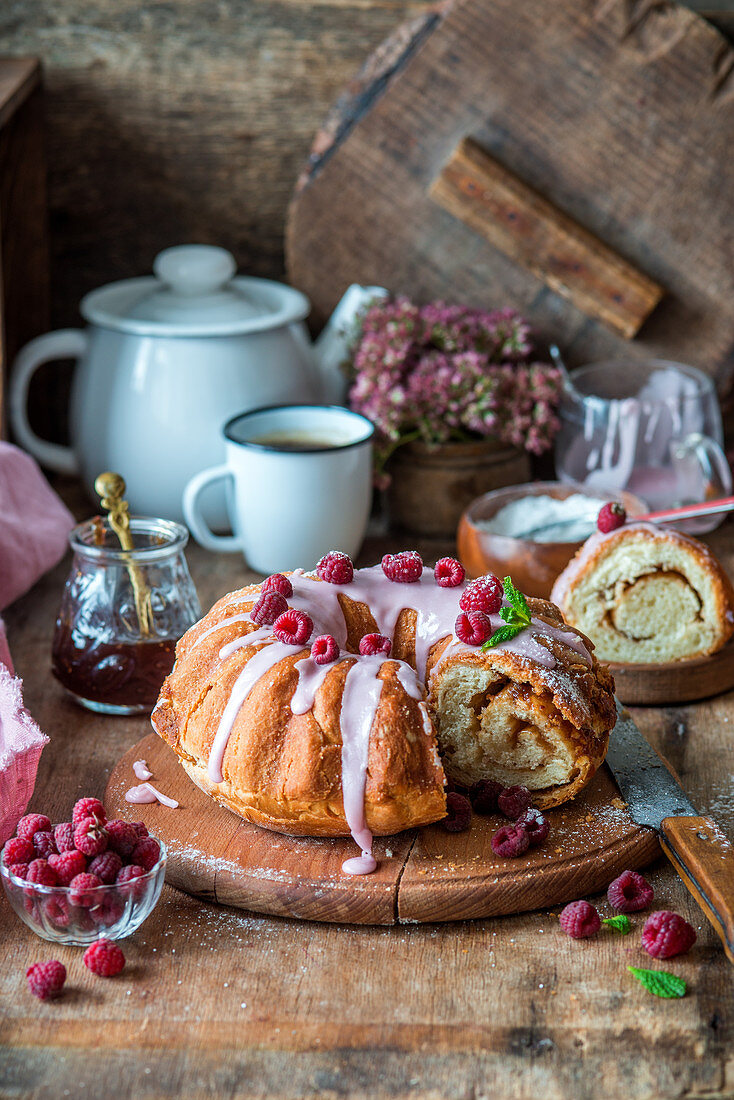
<point x="34" y="524"/>
<point x="21" y="743"/>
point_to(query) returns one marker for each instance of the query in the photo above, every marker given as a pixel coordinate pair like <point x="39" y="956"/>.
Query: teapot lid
<point x="194" y="292"/>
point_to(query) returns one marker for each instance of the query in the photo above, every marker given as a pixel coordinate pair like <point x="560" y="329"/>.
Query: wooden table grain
<point x="218" y="1002"/>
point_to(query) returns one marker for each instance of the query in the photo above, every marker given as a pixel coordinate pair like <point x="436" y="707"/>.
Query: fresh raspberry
<point x="140" y="828"/>
<point x="128" y="876"/>
<point x="122" y="837"/>
<point x="41" y="873"/>
<point x="630" y="893"/>
<point x="146" y="853"/>
<point x="44" y="844"/>
<point x="20" y="870"/>
<point x="510" y="841"/>
<point x="110" y="910"/>
<point x="106" y="867"/>
<point x="458" y="813"/>
<point x="276" y="582"/>
<point x="293" y="627"/>
<point x="483" y="594"/>
<point x="336" y="568"/>
<point x="268" y="608"/>
<point x="580" y="920"/>
<point x="104" y="959"/>
<point x="90" y="837"/>
<point x="64" y="836"/>
<point x="514" y="801"/>
<point x="33" y="823"/>
<point x="405" y="568"/>
<point x="47" y="979"/>
<point x="371" y="644"/>
<point x="666" y="934"/>
<point x="611" y="517"/>
<point x="67" y="866"/>
<point x="88" y="807"/>
<point x="56" y="910"/>
<point x="324" y="649"/>
<point x="535" y="825"/>
<point x="472" y="627"/>
<point x="19" y="849"/>
<point x="483" y="796"/>
<point x="449" y="572"/>
<point x="83" y="890"/>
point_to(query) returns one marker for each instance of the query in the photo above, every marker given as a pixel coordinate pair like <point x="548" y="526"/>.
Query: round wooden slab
<point x="675" y="681"/>
<point x="423" y="875"/>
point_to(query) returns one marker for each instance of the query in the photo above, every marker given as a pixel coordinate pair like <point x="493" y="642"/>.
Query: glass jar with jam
<point x="122" y="613"/>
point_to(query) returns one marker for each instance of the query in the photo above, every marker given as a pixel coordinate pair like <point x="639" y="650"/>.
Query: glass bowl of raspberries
<point x="85" y="878"/>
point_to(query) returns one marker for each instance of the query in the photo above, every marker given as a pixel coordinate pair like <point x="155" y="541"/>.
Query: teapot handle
<point x="68" y="343"/>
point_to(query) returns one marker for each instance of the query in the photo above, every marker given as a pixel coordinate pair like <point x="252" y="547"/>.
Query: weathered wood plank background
<point x="182" y="121"/>
<point x="188" y="120"/>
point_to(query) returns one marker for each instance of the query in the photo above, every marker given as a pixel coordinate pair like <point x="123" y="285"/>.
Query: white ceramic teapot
<point x="167" y="359"/>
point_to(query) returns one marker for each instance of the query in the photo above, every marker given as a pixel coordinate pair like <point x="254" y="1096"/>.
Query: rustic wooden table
<point x="219" y="1002"/>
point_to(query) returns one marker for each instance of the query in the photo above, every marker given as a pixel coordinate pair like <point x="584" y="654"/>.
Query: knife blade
<point x="699" y="851"/>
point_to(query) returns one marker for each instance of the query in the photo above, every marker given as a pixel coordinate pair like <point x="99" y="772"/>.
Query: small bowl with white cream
<point x="532" y="531"/>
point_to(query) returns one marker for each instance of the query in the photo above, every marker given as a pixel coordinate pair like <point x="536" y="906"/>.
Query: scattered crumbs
<point x="619" y="803"/>
<point x="388" y="853"/>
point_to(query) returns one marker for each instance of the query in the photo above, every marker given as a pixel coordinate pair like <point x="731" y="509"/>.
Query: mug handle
<point x="711" y="460"/>
<point x="199" y="529"/>
<point x="69" y="343"/>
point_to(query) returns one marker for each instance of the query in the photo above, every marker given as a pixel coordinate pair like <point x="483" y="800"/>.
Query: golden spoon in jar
<point x="110" y="487"/>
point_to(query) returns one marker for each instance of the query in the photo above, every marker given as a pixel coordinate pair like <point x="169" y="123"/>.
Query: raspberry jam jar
<point x="122" y="613"/>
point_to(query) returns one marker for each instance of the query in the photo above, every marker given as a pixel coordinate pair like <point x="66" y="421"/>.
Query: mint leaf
<point x="504" y="634"/>
<point x="660" y="982"/>
<point x="620" y="923"/>
<point x="509" y="615"/>
<point x="515" y="597"/>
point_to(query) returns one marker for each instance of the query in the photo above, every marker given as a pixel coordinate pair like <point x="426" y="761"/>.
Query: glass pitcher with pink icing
<point x="652" y="428"/>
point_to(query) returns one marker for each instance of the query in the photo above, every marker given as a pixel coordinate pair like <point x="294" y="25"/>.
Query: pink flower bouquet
<point x="441" y="373"/>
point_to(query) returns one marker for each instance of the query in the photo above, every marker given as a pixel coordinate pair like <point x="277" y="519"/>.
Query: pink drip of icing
<point x="260" y="663"/>
<point x="360" y="865"/>
<point x="141" y="770"/>
<point x="146" y="793"/>
<point x="360" y="700"/>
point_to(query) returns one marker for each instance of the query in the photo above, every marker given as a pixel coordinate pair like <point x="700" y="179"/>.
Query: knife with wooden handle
<point x="695" y="845"/>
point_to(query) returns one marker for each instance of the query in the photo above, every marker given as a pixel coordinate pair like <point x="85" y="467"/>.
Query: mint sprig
<point x="620" y="923"/>
<point x="516" y="616"/>
<point x="660" y="982"/>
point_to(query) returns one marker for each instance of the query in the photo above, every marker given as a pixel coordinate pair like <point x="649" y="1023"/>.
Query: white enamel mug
<point x="299" y="483"/>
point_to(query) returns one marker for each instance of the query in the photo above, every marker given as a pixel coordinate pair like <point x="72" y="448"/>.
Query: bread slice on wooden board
<point x="646" y="595"/>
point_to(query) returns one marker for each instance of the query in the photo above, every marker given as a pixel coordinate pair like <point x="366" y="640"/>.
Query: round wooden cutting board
<point x="675" y="681"/>
<point x="423" y="875"/>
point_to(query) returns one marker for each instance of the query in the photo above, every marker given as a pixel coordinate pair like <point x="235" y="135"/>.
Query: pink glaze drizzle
<point x="141" y="770"/>
<point x="146" y="793"/>
<point x="260" y="663"/>
<point x="360" y="700"/>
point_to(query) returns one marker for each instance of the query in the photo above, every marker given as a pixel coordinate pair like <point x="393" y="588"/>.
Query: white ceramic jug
<point x="166" y="360"/>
